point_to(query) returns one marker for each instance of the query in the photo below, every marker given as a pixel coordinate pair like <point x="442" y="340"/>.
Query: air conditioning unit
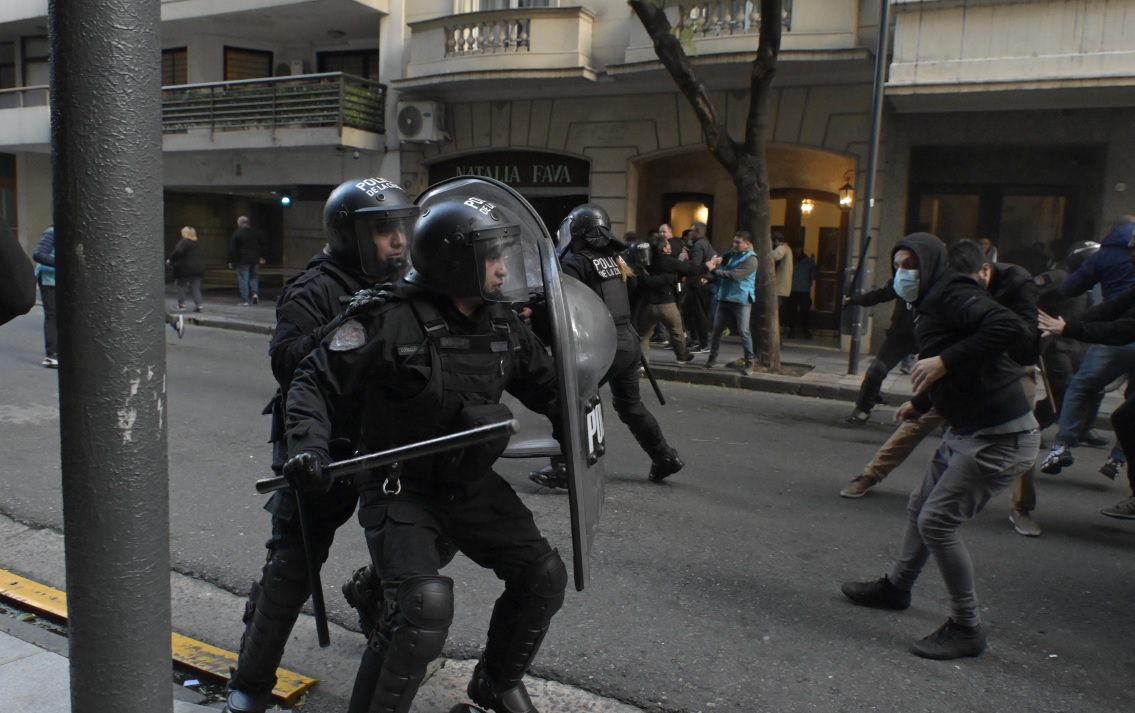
<point x="421" y="122"/>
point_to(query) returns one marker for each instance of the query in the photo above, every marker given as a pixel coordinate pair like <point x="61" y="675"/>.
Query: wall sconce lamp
<point x="806" y="206"/>
<point x="847" y="193"/>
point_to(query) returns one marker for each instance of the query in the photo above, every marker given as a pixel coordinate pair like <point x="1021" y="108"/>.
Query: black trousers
<point x="626" y="395"/>
<point x="50" y="330"/>
<point x="695" y="314"/>
<point x="798" y="313"/>
<point x="1123" y="421"/>
<point x="488" y="522"/>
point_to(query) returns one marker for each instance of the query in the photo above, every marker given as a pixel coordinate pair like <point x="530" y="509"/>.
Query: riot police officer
<point x="435" y="360"/>
<point x="593" y="258"/>
<point x="367" y="224"/>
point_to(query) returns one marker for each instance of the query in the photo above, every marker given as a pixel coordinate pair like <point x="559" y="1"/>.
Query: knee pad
<point x="283" y="586"/>
<point x="546" y="577"/>
<point x="423" y="613"/>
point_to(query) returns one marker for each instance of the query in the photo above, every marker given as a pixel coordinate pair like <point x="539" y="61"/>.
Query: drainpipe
<point x="107" y="190"/>
<point x="881" y="52"/>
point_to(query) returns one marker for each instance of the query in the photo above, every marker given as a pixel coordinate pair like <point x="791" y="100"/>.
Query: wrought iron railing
<point x="307" y="101"/>
<point x="716" y="18"/>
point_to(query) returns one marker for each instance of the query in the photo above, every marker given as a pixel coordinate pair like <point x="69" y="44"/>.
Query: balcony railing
<point x="487" y="36"/>
<point x="305" y="101"/>
<point x="717" y="18"/>
<point x="22" y="97"/>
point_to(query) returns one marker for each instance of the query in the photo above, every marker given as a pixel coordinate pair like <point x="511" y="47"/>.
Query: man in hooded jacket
<point x="964" y="372"/>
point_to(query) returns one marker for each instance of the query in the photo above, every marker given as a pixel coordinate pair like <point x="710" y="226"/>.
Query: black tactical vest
<point x="602" y="274"/>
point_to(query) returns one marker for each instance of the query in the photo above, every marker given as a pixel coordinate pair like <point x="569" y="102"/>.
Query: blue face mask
<point x="906" y="284"/>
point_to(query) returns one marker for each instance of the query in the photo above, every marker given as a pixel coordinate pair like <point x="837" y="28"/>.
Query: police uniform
<point x="423" y="369"/>
<point x="599" y="270"/>
<point x="310" y="307"/>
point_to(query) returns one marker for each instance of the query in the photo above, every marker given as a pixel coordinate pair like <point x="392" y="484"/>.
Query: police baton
<point x="441" y="444"/>
<point x="650" y="376"/>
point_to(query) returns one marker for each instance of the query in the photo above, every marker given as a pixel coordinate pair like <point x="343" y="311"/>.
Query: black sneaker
<point x="685" y="360"/>
<point x="255" y="298"/>
<point x="484" y="693"/>
<point x="877" y="594"/>
<point x="711" y="362"/>
<point x="364" y="594"/>
<point x="858" y="418"/>
<point x="1059" y="458"/>
<point x="550" y="476"/>
<point x="662" y="468"/>
<point x="1110" y="467"/>
<point x="951" y="641"/>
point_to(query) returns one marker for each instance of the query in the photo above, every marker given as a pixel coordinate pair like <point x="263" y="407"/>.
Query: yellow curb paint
<point x="195" y="654"/>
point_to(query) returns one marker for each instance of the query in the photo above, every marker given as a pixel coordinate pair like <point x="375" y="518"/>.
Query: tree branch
<point x="669" y="51"/>
<point x="763" y="71"/>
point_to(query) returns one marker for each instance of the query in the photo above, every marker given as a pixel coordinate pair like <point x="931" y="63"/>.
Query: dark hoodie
<point x="956" y="319"/>
<point x="1110" y="266"/>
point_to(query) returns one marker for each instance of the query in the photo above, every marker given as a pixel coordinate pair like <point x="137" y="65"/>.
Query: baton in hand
<point x="441" y="444"/>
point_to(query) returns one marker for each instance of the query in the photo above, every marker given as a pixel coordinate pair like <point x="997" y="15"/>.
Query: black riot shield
<point x="583" y="345"/>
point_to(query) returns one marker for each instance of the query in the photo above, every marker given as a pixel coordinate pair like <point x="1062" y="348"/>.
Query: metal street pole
<point x="107" y="191"/>
<point x="881" y="52"/>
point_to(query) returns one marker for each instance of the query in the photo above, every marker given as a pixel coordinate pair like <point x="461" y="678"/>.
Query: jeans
<point x="964" y="475"/>
<point x="738" y="314"/>
<point x="1102" y="364"/>
<point x="248" y="277"/>
<point x="50" y="330"/>
<point x="188" y="286"/>
<point x="908" y="435"/>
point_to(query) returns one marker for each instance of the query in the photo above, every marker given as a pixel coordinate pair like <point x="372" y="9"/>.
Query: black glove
<point x="369" y="298"/>
<point x="307" y="471"/>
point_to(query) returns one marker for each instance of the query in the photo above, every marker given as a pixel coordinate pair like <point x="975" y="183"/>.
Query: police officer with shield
<point x="591" y="255"/>
<point x="367" y="222"/>
<point x="435" y="360"/>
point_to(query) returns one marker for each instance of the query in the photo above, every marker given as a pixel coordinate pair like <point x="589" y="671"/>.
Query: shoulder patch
<point x="350" y="335"/>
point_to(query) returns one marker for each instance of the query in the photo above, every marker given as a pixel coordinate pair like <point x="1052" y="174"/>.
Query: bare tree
<point x="745" y="160"/>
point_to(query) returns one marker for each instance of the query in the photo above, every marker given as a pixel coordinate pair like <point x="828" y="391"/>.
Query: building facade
<point x="1003" y="118"/>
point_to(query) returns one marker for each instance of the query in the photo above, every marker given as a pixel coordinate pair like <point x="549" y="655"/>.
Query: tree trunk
<point x="745" y="161"/>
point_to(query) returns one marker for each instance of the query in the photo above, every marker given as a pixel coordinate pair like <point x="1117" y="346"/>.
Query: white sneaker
<point x="50" y="362"/>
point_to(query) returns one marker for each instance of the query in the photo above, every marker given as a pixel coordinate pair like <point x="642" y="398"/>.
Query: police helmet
<point x="1080" y="252"/>
<point x="368" y="223"/>
<point x="464" y="246"/>
<point x="591" y="223"/>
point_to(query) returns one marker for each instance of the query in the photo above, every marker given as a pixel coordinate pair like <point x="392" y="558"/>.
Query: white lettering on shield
<point x="594" y="429"/>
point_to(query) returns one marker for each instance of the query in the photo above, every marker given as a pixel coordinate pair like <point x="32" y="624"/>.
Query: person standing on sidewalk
<point x="735" y="277"/>
<point x="44" y="257"/>
<point x="247" y="250"/>
<point x="1013" y="288"/>
<point x="798" y="307"/>
<point x="188" y="262"/>
<point x="965" y="373"/>
<point x="1110" y="322"/>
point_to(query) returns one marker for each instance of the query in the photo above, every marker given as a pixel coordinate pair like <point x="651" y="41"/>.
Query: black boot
<point x="273" y="606"/>
<point x="488" y="694"/>
<point x="666" y="463"/>
<point x="553" y="475"/>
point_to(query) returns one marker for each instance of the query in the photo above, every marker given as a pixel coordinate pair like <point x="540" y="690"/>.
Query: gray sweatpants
<point x="964" y="474"/>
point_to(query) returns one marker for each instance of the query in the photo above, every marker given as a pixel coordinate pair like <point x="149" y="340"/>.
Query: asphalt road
<point x="718" y="591"/>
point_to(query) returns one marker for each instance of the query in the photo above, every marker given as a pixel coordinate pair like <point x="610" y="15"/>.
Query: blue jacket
<point x="736" y="277"/>
<point x="1111" y="266"/>
<point x="45" y="258"/>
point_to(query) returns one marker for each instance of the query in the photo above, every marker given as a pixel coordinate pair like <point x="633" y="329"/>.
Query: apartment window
<point x="36" y="61"/>
<point x="361" y="63"/>
<point x="175" y="66"/>
<point x="478" y="5"/>
<point x="7" y="65"/>
<point x="246" y="64"/>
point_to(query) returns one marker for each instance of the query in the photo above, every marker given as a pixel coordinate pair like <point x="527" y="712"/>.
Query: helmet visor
<point x="500" y="266"/>
<point x="384" y="244"/>
<point x="563" y="237"/>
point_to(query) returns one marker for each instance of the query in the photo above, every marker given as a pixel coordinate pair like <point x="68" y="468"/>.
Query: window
<point x="246" y="64"/>
<point x="7" y="65"/>
<point x="175" y="64"/>
<point x="360" y="63"/>
<point x="37" y="61"/>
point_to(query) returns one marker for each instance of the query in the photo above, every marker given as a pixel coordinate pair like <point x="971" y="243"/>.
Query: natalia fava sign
<point x="518" y="169"/>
